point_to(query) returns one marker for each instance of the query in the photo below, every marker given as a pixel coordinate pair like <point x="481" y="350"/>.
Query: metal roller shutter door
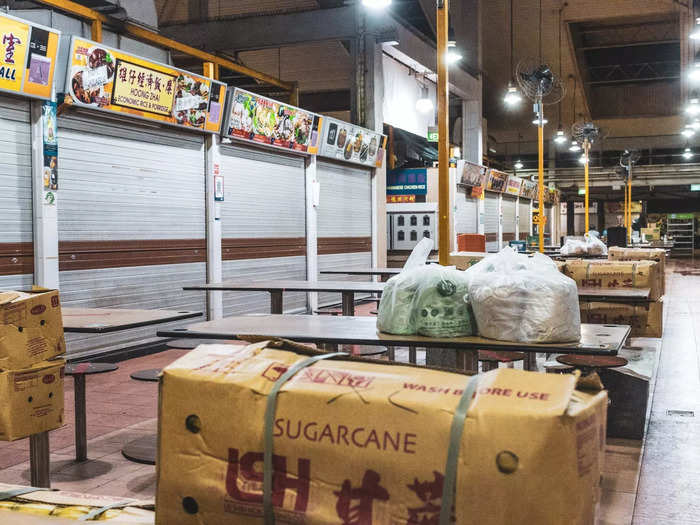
<point x="491" y="221"/>
<point x="131" y="198"/>
<point x="466" y="212"/>
<point x="509" y="212"/>
<point x="263" y="215"/>
<point x="16" y="262"/>
<point x="524" y="218"/>
<point x="344" y="212"/>
<point x="549" y="228"/>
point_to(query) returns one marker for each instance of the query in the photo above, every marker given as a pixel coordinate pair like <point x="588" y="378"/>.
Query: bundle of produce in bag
<point x="591" y="245"/>
<point x="523" y="299"/>
<point x="429" y="300"/>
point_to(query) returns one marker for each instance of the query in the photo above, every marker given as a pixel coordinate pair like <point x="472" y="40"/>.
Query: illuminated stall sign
<point x="107" y="79"/>
<point x="412" y="181"/>
<point x="471" y="174"/>
<point x="343" y="141"/>
<point x="528" y="189"/>
<point x="513" y="185"/>
<point x="266" y="121"/>
<point x="496" y="181"/>
<point x="27" y="57"/>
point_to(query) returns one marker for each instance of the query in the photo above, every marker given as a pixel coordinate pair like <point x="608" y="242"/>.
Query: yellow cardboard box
<point x="646" y="319"/>
<point x="31" y="328"/>
<point x="31" y="400"/>
<point x="59" y="507"/>
<point x="358" y="442"/>
<point x="463" y="260"/>
<point x="617" y="253"/>
<point x="617" y="274"/>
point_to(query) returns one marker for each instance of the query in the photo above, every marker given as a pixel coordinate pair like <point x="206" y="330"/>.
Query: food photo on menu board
<point x="107" y="79"/>
<point x="268" y="121"/>
<point x="351" y="143"/>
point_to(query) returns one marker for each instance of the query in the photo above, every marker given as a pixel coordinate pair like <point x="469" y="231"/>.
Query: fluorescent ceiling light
<point x="687" y="153"/>
<point x="695" y="33"/>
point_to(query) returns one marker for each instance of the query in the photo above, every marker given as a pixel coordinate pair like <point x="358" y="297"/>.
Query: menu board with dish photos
<point x="270" y="122"/>
<point x="496" y="181"/>
<point x="528" y="189"/>
<point x="471" y="174"/>
<point x="344" y="141"/>
<point x="108" y="79"/>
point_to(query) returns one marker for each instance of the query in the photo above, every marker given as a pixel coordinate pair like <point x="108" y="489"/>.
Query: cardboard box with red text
<point x="31" y="328"/>
<point x="617" y="274"/>
<point x="359" y="442"/>
<point x="31" y="399"/>
<point x="645" y="320"/>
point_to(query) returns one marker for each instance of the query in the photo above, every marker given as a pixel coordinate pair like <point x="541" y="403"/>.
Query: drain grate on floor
<point x="680" y="413"/>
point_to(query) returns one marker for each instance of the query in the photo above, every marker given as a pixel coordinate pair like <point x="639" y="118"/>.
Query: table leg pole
<point x="412" y="355"/>
<point x="530" y="362"/>
<point x="348" y="303"/>
<point x="276" y="302"/>
<point x="80" y="418"/>
<point x="391" y="353"/>
<point x="39" y="460"/>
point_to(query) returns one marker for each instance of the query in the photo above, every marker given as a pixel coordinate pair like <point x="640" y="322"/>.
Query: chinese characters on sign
<point x="110" y="80"/>
<point x="27" y="57"/>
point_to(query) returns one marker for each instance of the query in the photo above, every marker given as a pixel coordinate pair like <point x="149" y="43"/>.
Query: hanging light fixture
<point x="453" y="56"/>
<point x="689" y="131"/>
<point x="695" y="33"/>
<point x="518" y="164"/>
<point x="693" y="107"/>
<point x="376" y="4"/>
<point x="512" y="97"/>
<point x="574" y="147"/>
<point x="582" y="159"/>
<point x="424" y="104"/>
<point x="694" y="71"/>
<point x="687" y="154"/>
<point x="560" y="138"/>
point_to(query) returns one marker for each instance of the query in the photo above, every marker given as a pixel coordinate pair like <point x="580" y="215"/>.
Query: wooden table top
<point x="104" y="320"/>
<point x="614" y="294"/>
<point x="595" y="339"/>
<point x="289" y="285"/>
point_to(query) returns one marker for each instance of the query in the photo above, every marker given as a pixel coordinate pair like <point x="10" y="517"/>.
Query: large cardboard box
<point x="617" y="274"/>
<point x="645" y="319"/>
<point x="60" y="507"/>
<point x="617" y="253"/>
<point x="31" y="328"/>
<point x="31" y="399"/>
<point x="463" y="260"/>
<point x="358" y="442"/>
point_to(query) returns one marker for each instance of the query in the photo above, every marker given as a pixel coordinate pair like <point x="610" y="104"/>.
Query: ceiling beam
<point x="629" y="44"/>
<point x="269" y="31"/>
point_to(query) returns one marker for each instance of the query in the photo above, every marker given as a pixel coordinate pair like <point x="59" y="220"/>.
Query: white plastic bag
<point x="573" y="247"/>
<point x="523" y="299"/>
<point x="430" y="300"/>
<point x="594" y="245"/>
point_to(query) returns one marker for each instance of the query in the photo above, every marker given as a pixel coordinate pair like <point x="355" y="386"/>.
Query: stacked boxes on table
<point x="360" y="442"/>
<point x="646" y="319"/>
<point x="31" y="374"/>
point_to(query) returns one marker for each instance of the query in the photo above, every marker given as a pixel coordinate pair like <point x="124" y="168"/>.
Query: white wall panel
<point x="491" y="218"/>
<point x="509" y="211"/>
<point x="466" y="212"/>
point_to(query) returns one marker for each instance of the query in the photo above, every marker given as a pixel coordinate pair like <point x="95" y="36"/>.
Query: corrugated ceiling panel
<point x="173" y="11"/>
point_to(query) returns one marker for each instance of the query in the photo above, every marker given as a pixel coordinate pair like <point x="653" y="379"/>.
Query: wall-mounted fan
<point x="586" y="133"/>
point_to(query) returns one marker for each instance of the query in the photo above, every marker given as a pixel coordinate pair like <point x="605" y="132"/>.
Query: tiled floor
<point x="121" y="409"/>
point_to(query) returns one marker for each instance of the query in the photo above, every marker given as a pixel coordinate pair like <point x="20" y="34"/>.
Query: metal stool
<point x="78" y="371"/>
<point x="491" y="358"/>
<point x="591" y="363"/>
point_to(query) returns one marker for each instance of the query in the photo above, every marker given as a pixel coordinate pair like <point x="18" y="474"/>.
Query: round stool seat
<point x="146" y="375"/>
<point x="592" y="361"/>
<point x="75" y="369"/>
<point x="500" y="356"/>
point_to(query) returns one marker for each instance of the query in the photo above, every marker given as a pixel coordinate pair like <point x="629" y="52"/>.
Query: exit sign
<point x="433" y="134"/>
<point x="695" y="187"/>
<point x="582" y="191"/>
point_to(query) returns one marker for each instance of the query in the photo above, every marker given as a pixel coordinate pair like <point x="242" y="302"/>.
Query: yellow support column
<point x="586" y="149"/>
<point x="629" y="210"/>
<point x="443" y="134"/>
<point x="541" y="219"/>
<point x="96" y="30"/>
<point x="211" y="70"/>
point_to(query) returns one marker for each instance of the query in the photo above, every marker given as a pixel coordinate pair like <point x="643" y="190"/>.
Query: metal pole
<point x="629" y="202"/>
<point x="541" y="219"/>
<point x="39" y="460"/>
<point x="443" y="134"/>
<point x="80" y="417"/>
<point x="624" y="216"/>
<point x="586" y="149"/>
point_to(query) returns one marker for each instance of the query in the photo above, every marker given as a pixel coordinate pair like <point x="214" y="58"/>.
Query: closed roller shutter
<point x="466" y="212"/>
<point x="524" y="219"/>
<point x="549" y="228"/>
<point x="509" y="211"/>
<point x="263" y="224"/>
<point x="130" y="221"/>
<point x="491" y="221"/>
<point x="344" y="222"/>
<point x="16" y="261"/>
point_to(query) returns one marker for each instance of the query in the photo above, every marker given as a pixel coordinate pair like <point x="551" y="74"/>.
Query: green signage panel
<point x="695" y="187"/>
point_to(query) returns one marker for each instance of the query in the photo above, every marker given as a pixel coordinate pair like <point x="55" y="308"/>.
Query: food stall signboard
<point x="27" y="57"/>
<point x="513" y="185"/>
<point x="107" y="79"/>
<point x="266" y="121"/>
<point x="528" y="189"/>
<point x="496" y="181"/>
<point x="471" y="174"/>
<point x="410" y="181"/>
<point x="343" y="141"/>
